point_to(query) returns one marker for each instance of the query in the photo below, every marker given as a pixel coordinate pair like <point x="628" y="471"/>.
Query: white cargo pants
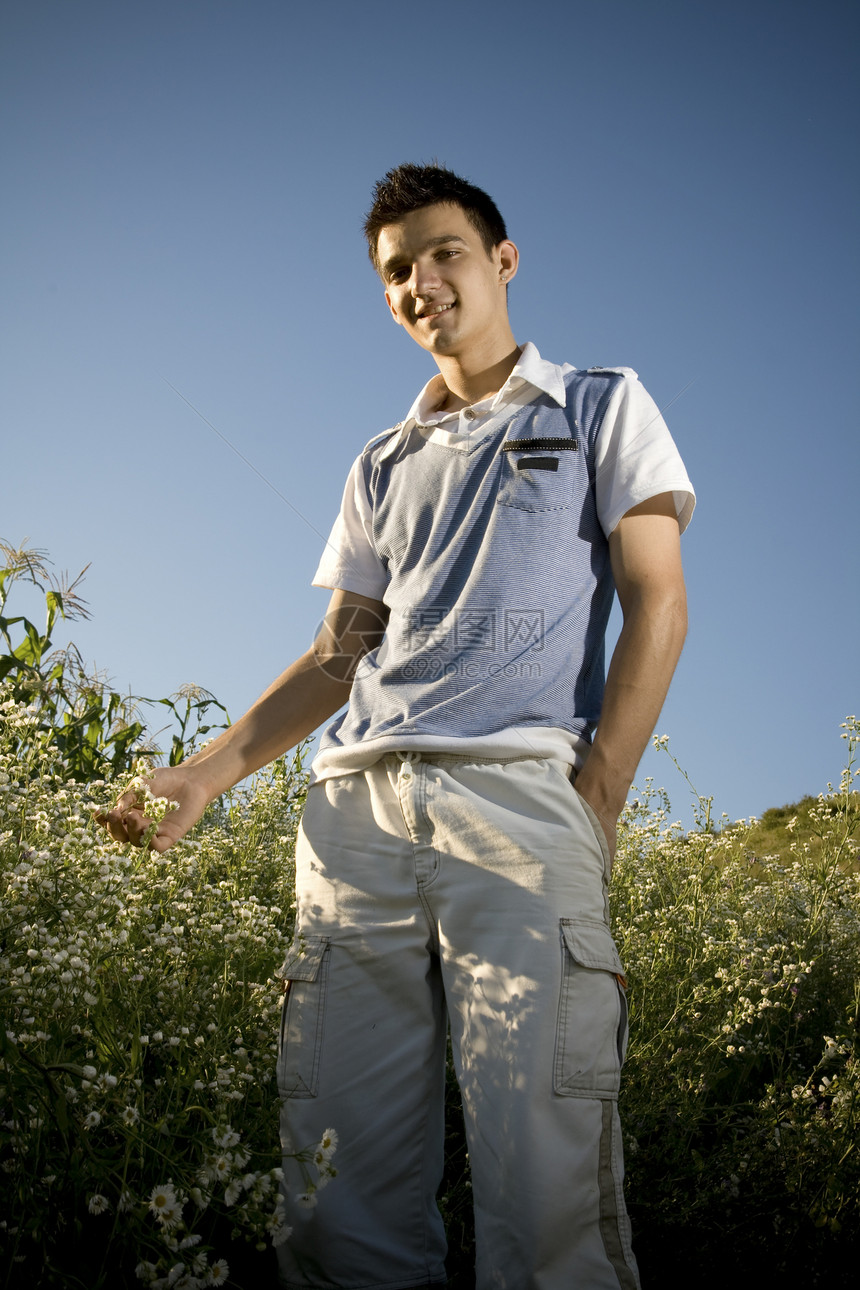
<point x="440" y="887"/>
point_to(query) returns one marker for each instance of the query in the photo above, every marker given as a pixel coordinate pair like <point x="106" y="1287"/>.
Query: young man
<point x="448" y="871"/>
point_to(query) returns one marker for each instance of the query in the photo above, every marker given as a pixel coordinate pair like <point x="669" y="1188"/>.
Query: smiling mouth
<point x="434" y="310"/>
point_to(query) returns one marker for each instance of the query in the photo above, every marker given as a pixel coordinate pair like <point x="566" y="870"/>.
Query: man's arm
<point x="645" y="551"/>
<point x="302" y="698"/>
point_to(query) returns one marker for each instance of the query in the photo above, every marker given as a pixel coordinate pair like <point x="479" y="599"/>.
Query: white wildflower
<point x="327" y="1144"/>
<point x="162" y="1198"/>
<point x="225" y="1137"/>
<point x="281" y="1233"/>
<point x="170" y="1215"/>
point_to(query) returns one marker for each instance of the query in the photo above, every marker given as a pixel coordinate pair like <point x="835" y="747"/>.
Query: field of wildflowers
<point x="137" y="1131"/>
<point x="741" y="1097"/>
<point x="138" y="1111"/>
<point x="138" y="1139"/>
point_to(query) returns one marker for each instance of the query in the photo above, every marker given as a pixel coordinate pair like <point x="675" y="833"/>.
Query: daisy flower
<point x="219" y="1271"/>
<point x="162" y="1198"/>
<point x="280" y="1234"/>
<point x="170" y="1215"/>
<point x="327" y="1144"/>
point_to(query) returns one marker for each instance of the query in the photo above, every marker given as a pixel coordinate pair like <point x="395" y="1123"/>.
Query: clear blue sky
<point x="184" y="182"/>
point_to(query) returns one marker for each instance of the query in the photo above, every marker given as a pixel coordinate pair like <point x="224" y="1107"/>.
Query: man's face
<point x="440" y="283"/>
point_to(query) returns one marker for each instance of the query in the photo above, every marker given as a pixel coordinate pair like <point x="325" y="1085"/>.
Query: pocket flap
<point x="590" y="944"/>
<point x="304" y="958"/>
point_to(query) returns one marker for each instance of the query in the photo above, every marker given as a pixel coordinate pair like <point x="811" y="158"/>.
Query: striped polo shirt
<point x="489" y="550"/>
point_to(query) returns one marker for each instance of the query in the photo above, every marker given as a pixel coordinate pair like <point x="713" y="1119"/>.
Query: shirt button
<point x="406" y="770"/>
<point x="470" y="414"/>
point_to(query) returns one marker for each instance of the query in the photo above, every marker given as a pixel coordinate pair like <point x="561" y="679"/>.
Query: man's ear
<point x="508" y="258"/>
<point x="394" y="314"/>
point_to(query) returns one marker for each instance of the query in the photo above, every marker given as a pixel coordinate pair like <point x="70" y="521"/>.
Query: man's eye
<point x="398" y="275"/>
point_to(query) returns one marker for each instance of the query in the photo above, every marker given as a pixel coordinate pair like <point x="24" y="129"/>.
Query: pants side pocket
<point x="591" y="1037"/>
<point x="305" y="973"/>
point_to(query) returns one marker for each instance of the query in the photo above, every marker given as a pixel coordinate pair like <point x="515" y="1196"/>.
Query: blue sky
<point x="184" y="187"/>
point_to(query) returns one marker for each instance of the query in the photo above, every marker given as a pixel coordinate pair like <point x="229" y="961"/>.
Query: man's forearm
<point x="300" y="700"/>
<point x="642" y="665"/>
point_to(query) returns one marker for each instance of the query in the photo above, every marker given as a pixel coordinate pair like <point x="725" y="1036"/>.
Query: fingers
<point x="128" y="823"/>
<point x="125" y="823"/>
<point x="136" y="826"/>
<point x="167" y="789"/>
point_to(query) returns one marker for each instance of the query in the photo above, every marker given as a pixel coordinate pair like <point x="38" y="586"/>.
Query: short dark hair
<point x="408" y="188"/>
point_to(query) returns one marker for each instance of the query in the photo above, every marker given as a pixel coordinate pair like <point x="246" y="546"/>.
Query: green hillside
<point x="783" y="831"/>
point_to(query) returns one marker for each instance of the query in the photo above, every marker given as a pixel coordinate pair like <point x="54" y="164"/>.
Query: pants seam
<point x="618" y="1251"/>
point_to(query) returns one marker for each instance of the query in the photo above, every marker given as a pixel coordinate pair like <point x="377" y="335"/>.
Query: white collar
<point x="529" y="369"/>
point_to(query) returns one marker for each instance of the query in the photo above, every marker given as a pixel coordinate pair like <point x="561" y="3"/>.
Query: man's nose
<point x="425" y="278"/>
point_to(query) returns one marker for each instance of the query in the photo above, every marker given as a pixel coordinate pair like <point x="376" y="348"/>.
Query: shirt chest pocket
<point x="540" y="474"/>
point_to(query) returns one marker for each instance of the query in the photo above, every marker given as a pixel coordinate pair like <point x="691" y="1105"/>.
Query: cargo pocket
<point x="591" y="1039"/>
<point x="305" y="973"/>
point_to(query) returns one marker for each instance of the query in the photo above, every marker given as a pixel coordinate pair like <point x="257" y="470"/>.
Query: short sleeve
<point x="349" y="560"/>
<point x="636" y="458"/>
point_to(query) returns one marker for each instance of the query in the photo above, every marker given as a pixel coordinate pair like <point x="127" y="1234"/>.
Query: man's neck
<point x="470" y="383"/>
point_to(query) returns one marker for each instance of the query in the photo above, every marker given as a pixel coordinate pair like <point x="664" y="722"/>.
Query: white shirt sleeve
<point x="636" y="458"/>
<point x="349" y="560"/>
